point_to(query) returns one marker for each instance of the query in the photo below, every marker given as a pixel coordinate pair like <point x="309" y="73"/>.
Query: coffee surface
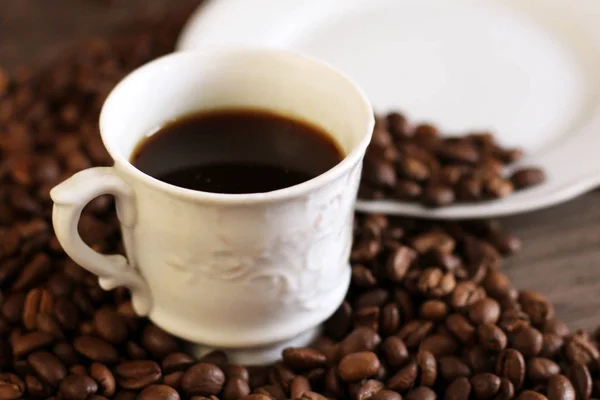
<point x="236" y="151"/>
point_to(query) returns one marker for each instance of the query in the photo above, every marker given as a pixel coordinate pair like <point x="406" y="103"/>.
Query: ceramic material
<point x="527" y="70"/>
<point x="240" y="272"/>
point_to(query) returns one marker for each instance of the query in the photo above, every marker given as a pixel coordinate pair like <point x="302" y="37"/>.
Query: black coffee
<point x="236" y="151"/>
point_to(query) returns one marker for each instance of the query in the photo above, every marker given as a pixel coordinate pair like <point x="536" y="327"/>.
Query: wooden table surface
<point x="561" y="254"/>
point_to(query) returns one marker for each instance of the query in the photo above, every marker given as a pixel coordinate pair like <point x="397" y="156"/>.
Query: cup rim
<point x="300" y="189"/>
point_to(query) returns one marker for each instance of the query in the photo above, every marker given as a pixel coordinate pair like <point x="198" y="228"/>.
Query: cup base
<point x="260" y="355"/>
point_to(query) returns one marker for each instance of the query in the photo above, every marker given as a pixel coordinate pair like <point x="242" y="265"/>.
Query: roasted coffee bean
<point x="363" y="277"/>
<point x="367" y="317"/>
<point x="360" y="339"/>
<point x="580" y="377"/>
<point x="368" y="389"/>
<point x="541" y="369"/>
<point x="96" y="349"/>
<point x="173" y="379"/>
<point x="433" y="282"/>
<point x="506" y="243"/>
<point x="181" y="361"/>
<point x="461" y="328"/>
<point x="405" y="304"/>
<point x="158" y="342"/>
<point x="398" y="125"/>
<point x="386" y="395"/>
<point x="479" y="359"/>
<point x="407" y="190"/>
<point x="427" y="135"/>
<point x="12" y="306"/>
<point x="33" y="272"/>
<point x="136" y="352"/>
<point x="513" y="319"/>
<point x="35" y="387"/>
<point x="552" y="345"/>
<point x="45" y="323"/>
<point x="404" y="379"/>
<point x="452" y="368"/>
<point x="498" y="188"/>
<point x="497" y="285"/>
<point x="492" y="337"/>
<point x="66" y="353"/>
<point x="506" y="390"/>
<point x="461" y="152"/>
<point x="159" y="392"/>
<point x="413" y="169"/>
<point x="11" y="386"/>
<point x="333" y="384"/>
<point x="556" y="327"/>
<point x="427" y="364"/>
<point x="277" y="393"/>
<point x="281" y="375"/>
<point x="78" y="370"/>
<point x="110" y="326"/>
<point x="340" y="322"/>
<point x="47" y="367"/>
<point x="67" y="314"/>
<point x="365" y="251"/>
<point x="433" y="310"/>
<point x="437" y="195"/>
<point x="29" y="342"/>
<point x="303" y="358"/>
<point x="527" y="177"/>
<point x="10" y="240"/>
<point x="485" y="311"/>
<point x="433" y="241"/>
<point x="389" y="319"/>
<point x="357" y="366"/>
<point x="395" y="352"/>
<point x="203" y="379"/>
<point x="510" y="365"/>
<point x="37" y="301"/>
<point x="77" y="387"/>
<point x="537" y="306"/>
<point x="469" y="189"/>
<point x="298" y="387"/>
<point x="216" y="357"/>
<point x="527" y="340"/>
<point x="460" y="389"/>
<point x="531" y="395"/>
<point x="375" y="297"/>
<point x="398" y="262"/>
<point x="579" y="349"/>
<point x="105" y="378"/>
<point x="560" y="388"/>
<point x="466" y="294"/>
<point x="485" y="386"/>
<point x="137" y="374"/>
<point x="379" y="173"/>
<point x="413" y="332"/>
<point x="310" y="396"/>
<point x="439" y="345"/>
<point x="421" y="393"/>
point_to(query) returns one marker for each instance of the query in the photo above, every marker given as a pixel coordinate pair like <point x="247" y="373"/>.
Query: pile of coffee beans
<point x="416" y="163"/>
<point x="429" y="314"/>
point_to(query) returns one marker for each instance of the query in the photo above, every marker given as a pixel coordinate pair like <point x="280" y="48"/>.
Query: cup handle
<point x="70" y="197"/>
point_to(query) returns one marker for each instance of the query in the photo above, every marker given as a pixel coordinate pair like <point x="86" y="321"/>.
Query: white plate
<point x="527" y="70"/>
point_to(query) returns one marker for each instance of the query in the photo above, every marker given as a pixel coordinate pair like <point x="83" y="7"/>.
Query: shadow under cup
<point x="240" y="270"/>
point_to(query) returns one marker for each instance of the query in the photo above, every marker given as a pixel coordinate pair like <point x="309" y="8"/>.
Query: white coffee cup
<point x="249" y="273"/>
